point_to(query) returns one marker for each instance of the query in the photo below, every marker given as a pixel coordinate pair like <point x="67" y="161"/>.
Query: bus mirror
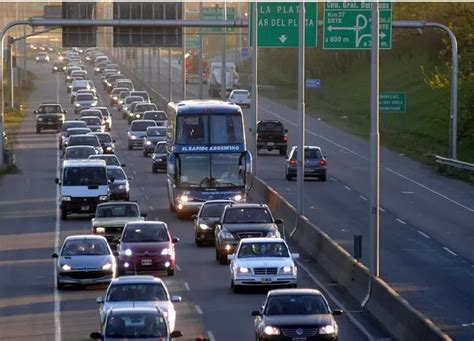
<point x="248" y="163"/>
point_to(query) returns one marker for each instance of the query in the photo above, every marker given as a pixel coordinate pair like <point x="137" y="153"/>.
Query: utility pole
<point x="170" y="77"/>
<point x="223" y="74"/>
<point x="201" y="55"/>
<point x="183" y="56"/>
<point x="301" y="110"/>
<point x="254" y="94"/>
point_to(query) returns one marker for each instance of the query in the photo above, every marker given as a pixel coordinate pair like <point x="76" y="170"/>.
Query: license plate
<point x="266" y="280"/>
<point x="146" y="262"/>
<point x="299" y="339"/>
<point x="84" y="208"/>
<point x="86" y="281"/>
<point x="271" y="144"/>
<point x="50" y="123"/>
<point x="309" y="170"/>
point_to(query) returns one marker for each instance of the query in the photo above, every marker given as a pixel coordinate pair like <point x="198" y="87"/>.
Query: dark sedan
<point x="206" y="219"/>
<point x="106" y="141"/>
<point x="120" y="188"/>
<point x="296" y="315"/>
<point x="159" y="157"/>
<point x="152" y="136"/>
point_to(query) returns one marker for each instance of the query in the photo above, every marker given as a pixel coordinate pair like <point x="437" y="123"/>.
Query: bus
<point x="207" y="154"/>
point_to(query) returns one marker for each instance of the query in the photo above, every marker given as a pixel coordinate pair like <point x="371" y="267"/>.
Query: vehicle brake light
<point x="285" y="138"/>
<point x="322" y="162"/>
<point x="292" y="162"/>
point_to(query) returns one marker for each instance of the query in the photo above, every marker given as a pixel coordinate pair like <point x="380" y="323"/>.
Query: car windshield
<point x="117" y="211"/>
<point x="158" y="131"/>
<point x="79" y="87"/>
<point x="263" y="249"/>
<point x="141" y="125"/>
<point x="75" y="131"/>
<point x="155" y="115"/>
<point x="145" y="107"/>
<point x="142" y="94"/>
<point x="110" y="160"/>
<point x="91" y="121"/>
<point x="84" y="176"/>
<point x="150" y="233"/>
<point x="241" y="92"/>
<point x="84" y="141"/>
<point x="85" y="97"/>
<point x="104" y="138"/>
<point x="247" y="215"/>
<point x="91" y="113"/>
<point x="124" y="94"/>
<point x="296" y="305"/>
<point x="212" y="210"/>
<point x="117" y="91"/>
<point x="132" y="99"/>
<point x="49" y="109"/>
<point x="136" y="325"/>
<point x="160" y="148"/>
<point x="85" y="247"/>
<point x="308" y="154"/>
<point x="143" y="292"/>
<point x="79" y="153"/>
<point x="104" y="112"/>
<point x="273" y="127"/>
<point x="75" y="124"/>
<point x="116" y="173"/>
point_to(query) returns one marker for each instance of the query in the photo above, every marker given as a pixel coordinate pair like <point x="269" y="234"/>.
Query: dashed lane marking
<point x="186" y="285"/>
<point x="450" y="251"/>
<point x="198" y="309"/>
<point x="400" y="221"/>
<point x="423" y="234"/>
<point x="363" y="198"/>
<point x="348" y="188"/>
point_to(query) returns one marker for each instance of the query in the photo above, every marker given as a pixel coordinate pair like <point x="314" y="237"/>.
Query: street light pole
<point x="254" y="94"/>
<point x="223" y="73"/>
<point x="201" y="55"/>
<point x="301" y="110"/>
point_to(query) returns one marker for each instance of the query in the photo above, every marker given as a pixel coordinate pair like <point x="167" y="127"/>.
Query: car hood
<point x="85" y="102"/>
<point x="54" y="115"/>
<point x="119" y="221"/>
<point x="264" y="262"/>
<point x="248" y="227"/>
<point x="140" y="248"/>
<point x="163" y="305"/>
<point x="137" y="133"/>
<point x="298" y="320"/>
<point x="155" y="139"/>
<point x="89" y="262"/>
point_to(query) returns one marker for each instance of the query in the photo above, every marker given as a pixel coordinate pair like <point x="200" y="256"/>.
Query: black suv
<point x="49" y="116"/>
<point x="272" y="135"/>
<point x="240" y="221"/>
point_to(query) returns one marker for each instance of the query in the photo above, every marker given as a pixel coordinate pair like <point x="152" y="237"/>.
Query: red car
<point x="146" y="247"/>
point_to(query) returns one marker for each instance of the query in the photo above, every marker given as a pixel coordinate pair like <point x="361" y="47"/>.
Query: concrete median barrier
<point x="402" y="320"/>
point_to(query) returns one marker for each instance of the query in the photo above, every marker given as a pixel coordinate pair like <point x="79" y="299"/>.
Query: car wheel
<point x="63" y="214"/>
<point x="222" y="258"/>
<point x="323" y="177"/>
<point x="198" y="242"/>
<point x="288" y="177"/>
<point x="283" y="152"/>
<point x="59" y="285"/>
<point x="154" y="170"/>
<point x="171" y="207"/>
<point x="38" y="130"/>
<point x="130" y="147"/>
<point x="170" y="272"/>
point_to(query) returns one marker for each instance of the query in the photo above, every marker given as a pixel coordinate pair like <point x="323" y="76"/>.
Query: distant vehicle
<point x="142" y="94"/>
<point x="241" y="98"/>
<point x="49" y="116"/>
<point x="159" y="157"/>
<point x="127" y="102"/>
<point x="100" y="59"/>
<point x="121" y="100"/>
<point x="76" y="86"/>
<point x="42" y="57"/>
<point x="77" y="73"/>
<point x="110" y="160"/>
<point x="138" y="291"/>
<point x="124" y="83"/>
<point x="93" y="123"/>
<point x="93" y="112"/>
<point x="74" y="131"/>
<point x="79" y="152"/>
<point x="127" y="323"/>
<point x="106" y="141"/>
<point x="86" y="140"/>
<point x="84" y="260"/>
<point x="152" y="136"/>
<point x="120" y="189"/>
<point x="59" y="66"/>
<point x="137" y="112"/>
<point x="115" y="94"/>
<point x="290" y="314"/>
<point x="83" y="185"/>
<point x="110" y="80"/>
<point x="272" y="135"/>
<point x="156" y="115"/>
<point x="262" y="262"/>
<point x="137" y="133"/>
<point x="111" y="217"/>
<point x="240" y="221"/>
<point x="84" y="101"/>
<point x="107" y="117"/>
<point x="215" y="78"/>
<point x="315" y="163"/>
<point x="66" y="126"/>
<point x="146" y="247"/>
<point x="205" y="221"/>
<point x="192" y="68"/>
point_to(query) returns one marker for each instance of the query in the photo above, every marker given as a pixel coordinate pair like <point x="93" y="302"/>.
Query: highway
<point x="30" y="306"/>
<point x="426" y="219"/>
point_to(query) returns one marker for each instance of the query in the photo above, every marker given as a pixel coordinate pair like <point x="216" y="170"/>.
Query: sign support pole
<point x="170" y="77"/>
<point x="201" y="55"/>
<point x="301" y="109"/>
<point x="254" y="94"/>
<point x="223" y="74"/>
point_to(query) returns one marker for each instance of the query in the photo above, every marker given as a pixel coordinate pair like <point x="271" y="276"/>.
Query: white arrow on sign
<point x="350" y="28"/>
<point x="282" y="38"/>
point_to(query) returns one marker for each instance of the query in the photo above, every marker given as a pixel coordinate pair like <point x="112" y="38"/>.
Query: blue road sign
<point x="313" y="83"/>
<point x="244" y="52"/>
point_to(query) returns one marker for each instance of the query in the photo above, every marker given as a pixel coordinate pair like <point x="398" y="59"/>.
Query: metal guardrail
<point x="440" y="160"/>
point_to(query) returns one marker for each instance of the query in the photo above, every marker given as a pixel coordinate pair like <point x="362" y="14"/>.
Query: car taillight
<point x="285" y="138"/>
<point x="322" y="162"/>
<point x="292" y="162"/>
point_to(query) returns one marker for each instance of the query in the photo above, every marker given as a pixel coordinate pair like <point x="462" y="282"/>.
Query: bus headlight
<point x="237" y="197"/>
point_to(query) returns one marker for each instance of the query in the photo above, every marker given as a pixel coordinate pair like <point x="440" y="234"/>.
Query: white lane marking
<point x="134" y="172"/>
<point x="178" y="267"/>
<point x="386" y="168"/>
<point x="142" y="188"/>
<point x="382" y="209"/>
<point x="211" y="336"/>
<point x="57" y="302"/>
<point x="363" y="198"/>
<point x="146" y="197"/>
<point x="423" y="234"/>
<point x="450" y="251"/>
<point x="186" y="285"/>
<point x="150" y="207"/>
<point x="198" y="309"/>
<point x="408" y="192"/>
<point x="348" y="188"/>
<point x="400" y="221"/>
<point x="462" y="325"/>
<point x="336" y="301"/>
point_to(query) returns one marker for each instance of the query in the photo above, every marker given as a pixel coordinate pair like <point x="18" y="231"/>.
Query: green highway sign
<point x="192" y="42"/>
<point x="217" y="13"/>
<point x="278" y="24"/>
<point x="347" y="25"/>
<point x="393" y="102"/>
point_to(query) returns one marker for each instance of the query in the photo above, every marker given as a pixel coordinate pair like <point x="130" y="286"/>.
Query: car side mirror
<point x="175" y="334"/>
<point x="130" y="178"/>
<point x="336" y="312"/>
<point x="54" y="255"/>
<point x="194" y="216"/>
<point x="123" y="165"/>
<point x="278" y="221"/>
<point x="175" y="240"/>
<point x="286" y="130"/>
<point x="231" y="257"/>
<point x="116" y="253"/>
<point x="56" y="181"/>
<point x="256" y="313"/>
<point x="114" y="141"/>
<point x="143" y="215"/>
<point x="175" y="299"/>
<point x="295" y="255"/>
<point x="111" y="180"/>
<point x="99" y="300"/>
<point x="65" y="111"/>
<point x="95" y="336"/>
<point x="35" y="112"/>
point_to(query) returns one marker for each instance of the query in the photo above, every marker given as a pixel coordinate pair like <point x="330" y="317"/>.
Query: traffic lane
<point x="27" y="217"/>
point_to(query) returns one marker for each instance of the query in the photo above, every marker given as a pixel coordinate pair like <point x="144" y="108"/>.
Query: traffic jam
<point x="130" y="255"/>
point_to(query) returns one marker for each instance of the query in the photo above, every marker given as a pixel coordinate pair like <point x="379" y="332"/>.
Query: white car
<point x="138" y="291"/>
<point x="262" y="261"/>
<point x="241" y="98"/>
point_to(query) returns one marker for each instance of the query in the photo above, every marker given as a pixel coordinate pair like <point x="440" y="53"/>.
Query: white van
<point x="84" y="185"/>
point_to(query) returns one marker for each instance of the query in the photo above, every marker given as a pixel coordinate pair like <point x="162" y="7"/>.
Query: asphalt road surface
<point x="30" y="306"/>
<point x="427" y="220"/>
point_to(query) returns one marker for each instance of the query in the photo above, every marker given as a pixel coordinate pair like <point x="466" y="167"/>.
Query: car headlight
<point x="237" y="197"/>
<point x="77" y="104"/>
<point x="133" y="137"/>
<point x="123" y="187"/>
<point x="328" y="329"/>
<point x="273" y="234"/>
<point x="128" y="252"/>
<point x="288" y="269"/>
<point x="269" y="330"/>
<point x="120" y="102"/>
<point x="65" y="198"/>
<point x="66" y="267"/>
<point x="69" y="86"/>
<point x="93" y="104"/>
<point x="64" y="68"/>
<point x="226" y="235"/>
<point x="100" y="230"/>
<point x="137" y="115"/>
<point x="148" y="143"/>
<point x="107" y="266"/>
<point x="109" y="148"/>
<point x="68" y="77"/>
<point x="114" y="98"/>
<point x="37" y="58"/>
<point x="243" y="270"/>
<point x="204" y="227"/>
<point x="55" y="67"/>
<point x="183" y="198"/>
<point x="103" y="197"/>
<point x="39" y="119"/>
<point x="96" y="69"/>
<point x="166" y="252"/>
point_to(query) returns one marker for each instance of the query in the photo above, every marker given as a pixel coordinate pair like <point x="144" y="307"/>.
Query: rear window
<point x="84" y="97"/>
<point x="72" y="132"/>
<point x="84" y="141"/>
<point x="155" y="115"/>
<point x="309" y="154"/>
<point x="145" y="107"/>
<point x="91" y="121"/>
<point x="76" y="124"/>
<point x="116" y="173"/>
<point x="270" y="127"/>
<point x="132" y="99"/>
<point x="141" y="94"/>
<point x="104" y="138"/>
<point x="213" y="210"/>
<point x="247" y="215"/>
<point x="141" y="126"/>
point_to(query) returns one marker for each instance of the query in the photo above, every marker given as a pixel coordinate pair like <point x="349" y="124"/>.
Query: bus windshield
<point x="211" y="170"/>
<point x="209" y="129"/>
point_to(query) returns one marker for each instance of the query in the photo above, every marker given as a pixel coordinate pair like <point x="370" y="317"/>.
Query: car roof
<point x="114" y="167"/>
<point x="299" y="291"/>
<point x="150" y="121"/>
<point x="137" y="279"/>
<point x="262" y="240"/>
<point x="146" y="222"/>
<point x="79" y="147"/>
<point x="89" y="117"/>
<point x="85" y="236"/>
<point x="101" y="156"/>
<point x="308" y="147"/>
<point x="222" y="201"/>
<point x="111" y="203"/>
<point x="135" y="310"/>
<point x="248" y="205"/>
<point x="78" y="128"/>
